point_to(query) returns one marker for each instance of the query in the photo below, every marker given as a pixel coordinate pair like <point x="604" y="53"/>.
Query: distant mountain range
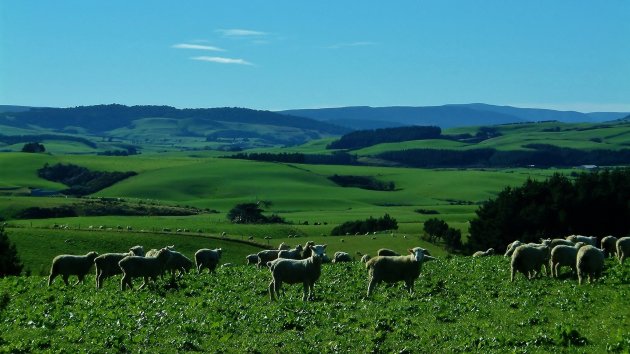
<point x="447" y="116"/>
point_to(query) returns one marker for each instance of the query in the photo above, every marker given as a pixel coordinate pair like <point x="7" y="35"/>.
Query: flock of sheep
<point x="578" y="252"/>
<point x="302" y="264"/>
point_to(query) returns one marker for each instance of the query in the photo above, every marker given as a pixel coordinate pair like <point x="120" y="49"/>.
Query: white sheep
<point x="146" y="267"/>
<point x="563" y="255"/>
<point x="589" y="262"/>
<point x="265" y="256"/>
<point x="295" y="253"/>
<point x="178" y="263"/>
<point x="291" y="271"/>
<point x="560" y="241"/>
<point x="207" y="258"/>
<point x="67" y="265"/>
<point x="488" y="252"/>
<point x="609" y="246"/>
<point x="107" y="264"/>
<point x="340" y="257"/>
<point x="392" y="269"/>
<point x="154" y="251"/>
<point x="529" y="259"/>
<point x="251" y="259"/>
<point x="284" y="246"/>
<point x="365" y="258"/>
<point x="589" y="240"/>
<point x="623" y="248"/>
<point x="512" y="247"/>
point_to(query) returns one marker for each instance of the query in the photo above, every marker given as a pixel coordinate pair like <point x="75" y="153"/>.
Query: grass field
<point x="460" y="305"/>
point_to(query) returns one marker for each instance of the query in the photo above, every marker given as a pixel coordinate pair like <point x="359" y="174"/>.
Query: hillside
<point x="446" y="116"/>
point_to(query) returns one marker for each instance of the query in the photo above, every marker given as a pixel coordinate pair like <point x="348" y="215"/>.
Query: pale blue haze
<point x="572" y="55"/>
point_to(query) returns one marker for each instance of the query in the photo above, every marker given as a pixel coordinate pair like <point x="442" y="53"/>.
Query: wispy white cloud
<point x="198" y="47"/>
<point x="222" y="60"/>
<point x="239" y="32"/>
<point x="352" y="44"/>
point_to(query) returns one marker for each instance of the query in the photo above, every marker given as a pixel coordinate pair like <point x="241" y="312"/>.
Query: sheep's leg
<point x="51" y="278"/>
<point x="311" y="291"/>
<point x="409" y="286"/>
<point x="554" y="269"/>
<point x="512" y="274"/>
<point x="65" y="279"/>
<point x="272" y="291"/>
<point x="146" y="280"/>
<point x="580" y="275"/>
<point x="277" y="287"/>
<point x="80" y="280"/>
<point x="371" y="286"/>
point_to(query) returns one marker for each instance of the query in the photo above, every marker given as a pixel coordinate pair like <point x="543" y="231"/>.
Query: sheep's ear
<point x="410" y="251"/>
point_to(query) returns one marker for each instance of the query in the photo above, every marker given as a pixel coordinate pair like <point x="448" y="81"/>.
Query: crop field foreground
<point x="460" y="304"/>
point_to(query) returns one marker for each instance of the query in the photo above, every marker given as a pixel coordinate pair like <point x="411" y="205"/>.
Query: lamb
<point x="284" y="246"/>
<point x="146" y="267"/>
<point x="178" y="263"/>
<point x="365" y="258"/>
<point x="488" y="252"/>
<point x="107" y="264"/>
<point x="609" y="246"/>
<point x="529" y="259"/>
<point x="392" y="269"/>
<point x="251" y="259"/>
<point x="266" y="256"/>
<point x="295" y="253"/>
<point x="589" y="262"/>
<point x="291" y="271"/>
<point x="563" y="255"/>
<point x="589" y="240"/>
<point x="623" y="248"/>
<point x="340" y="257"/>
<point x="387" y="252"/>
<point x="67" y="265"/>
<point x="207" y="258"/>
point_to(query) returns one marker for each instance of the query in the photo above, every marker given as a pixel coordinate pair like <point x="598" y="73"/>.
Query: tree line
<point x="336" y="158"/>
<point x="364" y="138"/>
<point x="80" y="180"/>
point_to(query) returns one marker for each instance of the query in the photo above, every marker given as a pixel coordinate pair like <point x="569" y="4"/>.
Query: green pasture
<point x="460" y="304"/>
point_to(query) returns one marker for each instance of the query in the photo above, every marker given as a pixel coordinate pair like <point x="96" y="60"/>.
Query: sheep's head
<point x="490" y="251"/>
<point x="137" y="250"/>
<point x="318" y="250"/>
<point x="92" y="255"/>
<point x="164" y="253"/>
<point x="417" y="253"/>
<point x="299" y="248"/>
<point x="219" y="251"/>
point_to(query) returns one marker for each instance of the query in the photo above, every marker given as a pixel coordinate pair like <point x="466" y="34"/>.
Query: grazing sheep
<point x="251" y="259"/>
<point x="387" y="252"/>
<point x="529" y="259"/>
<point x="623" y="248"/>
<point x="295" y="253"/>
<point x="560" y="241"/>
<point x="67" y="265"/>
<point x="365" y="258"/>
<point x="488" y="252"/>
<point x="146" y="267"/>
<point x="178" y="263"/>
<point x="340" y="257"/>
<point x="284" y="246"/>
<point x="207" y="258"/>
<point x="291" y="271"/>
<point x="589" y="240"/>
<point x="563" y="255"/>
<point x="589" y="262"/>
<point x="154" y="252"/>
<point x="512" y="247"/>
<point x="609" y="246"/>
<point x="266" y="256"/>
<point x="392" y="269"/>
<point x="107" y="264"/>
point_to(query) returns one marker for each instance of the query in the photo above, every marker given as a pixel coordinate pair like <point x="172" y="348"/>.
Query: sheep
<point x="387" y="252"/>
<point x="251" y="259"/>
<point x="178" y="263"/>
<point x="609" y="246"/>
<point x="291" y="271"/>
<point x="528" y="259"/>
<point x="512" y="247"/>
<point x="589" y="240"/>
<point x="341" y="257"/>
<point x="207" y="258"/>
<point x="392" y="269"/>
<point x="146" y="267"/>
<point x="107" y="264"/>
<point x="488" y="252"/>
<point x="266" y="256"/>
<point x="623" y="248"/>
<point x="563" y="255"/>
<point x="589" y="262"/>
<point x="560" y="241"/>
<point x="67" y="265"/>
<point x="284" y="246"/>
<point x="154" y="252"/>
<point x="306" y="251"/>
<point x="365" y="258"/>
<point x="295" y="253"/>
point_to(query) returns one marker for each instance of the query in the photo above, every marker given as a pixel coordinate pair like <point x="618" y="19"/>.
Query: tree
<point x="10" y="263"/>
<point x="435" y="228"/>
<point x="33" y="147"/>
<point x="251" y="213"/>
<point x="453" y="239"/>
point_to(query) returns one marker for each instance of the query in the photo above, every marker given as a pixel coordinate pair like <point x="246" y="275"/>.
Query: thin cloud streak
<point x="222" y="60"/>
<point x="352" y="44"/>
<point x="198" y="47"/>
<point x="238" y="32"/>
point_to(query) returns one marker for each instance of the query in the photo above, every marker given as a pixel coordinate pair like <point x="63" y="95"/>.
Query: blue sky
<point x="571" y="55"/>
